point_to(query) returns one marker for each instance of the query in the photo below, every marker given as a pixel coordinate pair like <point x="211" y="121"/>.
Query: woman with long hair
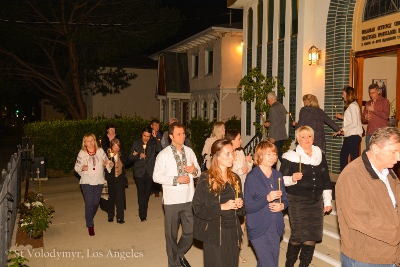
<point x="352" y="127"/>
<point x="90" y="165"/>
<point x="265" y="198"/>
<point x="217" y="205"/>
<point x="218" y="132"/>
<point x="242" y="164"/>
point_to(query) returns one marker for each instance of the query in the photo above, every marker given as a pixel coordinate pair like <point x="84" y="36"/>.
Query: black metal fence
<point x="18" y="170"/>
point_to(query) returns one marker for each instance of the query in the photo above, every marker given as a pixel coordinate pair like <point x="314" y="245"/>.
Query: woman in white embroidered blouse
<point x="90" y="165"/>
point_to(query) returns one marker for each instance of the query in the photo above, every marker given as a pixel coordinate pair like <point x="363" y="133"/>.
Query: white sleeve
<point x="80" y="160"/>
<point x="288" y="180"/>
<point x="327" y="195"/>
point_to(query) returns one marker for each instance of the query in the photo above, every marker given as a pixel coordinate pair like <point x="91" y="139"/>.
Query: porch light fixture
<point x="313" y="56"/>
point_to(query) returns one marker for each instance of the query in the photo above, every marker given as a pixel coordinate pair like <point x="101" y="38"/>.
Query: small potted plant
<point x="34" y="216"/>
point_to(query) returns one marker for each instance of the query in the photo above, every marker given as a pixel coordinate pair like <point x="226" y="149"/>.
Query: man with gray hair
<point x="276" y="123"/>
<point x="367" y="197"/>
<point x="165" y="140"/>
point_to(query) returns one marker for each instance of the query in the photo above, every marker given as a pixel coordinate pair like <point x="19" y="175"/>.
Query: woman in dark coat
<point x="306" y="175"/>
<point x="264" y="199"/>
<point x="312" y="115"/>
<point x="217" y="205"/>
<point x="115" y="176"/>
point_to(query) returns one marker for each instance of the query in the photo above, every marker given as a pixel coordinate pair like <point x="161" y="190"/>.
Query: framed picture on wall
<point x="382" y="83"/>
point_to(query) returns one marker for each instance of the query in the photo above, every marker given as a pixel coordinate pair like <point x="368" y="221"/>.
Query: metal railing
<point x="18" y="170"/>
<point x="251" y="145"/>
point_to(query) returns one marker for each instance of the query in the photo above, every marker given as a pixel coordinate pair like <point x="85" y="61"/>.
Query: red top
<point x="380" y="115"/>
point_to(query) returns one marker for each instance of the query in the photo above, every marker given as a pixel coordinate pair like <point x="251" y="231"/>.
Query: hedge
<point x="59" y="141"/>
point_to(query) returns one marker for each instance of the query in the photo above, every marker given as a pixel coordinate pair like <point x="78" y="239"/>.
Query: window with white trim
<point x="195" y="66"/>
<point x="214" y="110"/>
<point x="194" y="109"/>
<point x="204" y="109"/>
<point x="209" y="62"/>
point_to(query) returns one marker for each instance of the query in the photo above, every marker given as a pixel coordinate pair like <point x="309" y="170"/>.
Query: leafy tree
<point x="255" y="87"/>
<point x="59" y="46"/>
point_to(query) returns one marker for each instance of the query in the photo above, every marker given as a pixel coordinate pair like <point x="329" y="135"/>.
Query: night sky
<point x="198" y="15"/>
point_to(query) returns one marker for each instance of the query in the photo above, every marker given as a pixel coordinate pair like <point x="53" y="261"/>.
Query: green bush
<point x="60" y="141"/>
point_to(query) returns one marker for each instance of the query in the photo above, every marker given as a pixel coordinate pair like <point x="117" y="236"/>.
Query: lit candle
<point x="237" y="189"/>
<point x="290" y="114"/>
<point x="335" y="109"/>
<point x="279" y="188"/>
<point x="300" y="163"/>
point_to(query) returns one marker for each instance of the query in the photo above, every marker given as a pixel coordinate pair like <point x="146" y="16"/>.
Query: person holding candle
<point x="115" y="176"/>
<point x="242" y="164"/>
<point x="309" y="192"/>
<point x="352" y="127"/>
<point x="176" y="166"/>
<point x="312" y="115"/>
<point x="89" y="165"/>
<point x="376" y="112"/>
<point x="217" y="205"/>
<point x="265" y="198"/>
<point x="143" y="154"/>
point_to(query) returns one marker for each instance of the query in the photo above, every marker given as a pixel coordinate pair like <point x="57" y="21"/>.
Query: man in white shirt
<point x="175" y="168"/>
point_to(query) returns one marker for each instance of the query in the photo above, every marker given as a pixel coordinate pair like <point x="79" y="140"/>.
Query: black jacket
<point x="146" y="165"/>
<point x="207" y="213"/>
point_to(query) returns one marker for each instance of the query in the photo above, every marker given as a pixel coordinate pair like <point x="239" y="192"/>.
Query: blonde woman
<point x="90" y="165"/>
<point x="217" y="133"/>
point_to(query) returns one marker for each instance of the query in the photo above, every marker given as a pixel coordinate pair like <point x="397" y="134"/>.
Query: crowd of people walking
<point x="240" y="192"/>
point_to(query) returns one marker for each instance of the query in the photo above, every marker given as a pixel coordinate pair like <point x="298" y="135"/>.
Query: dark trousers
<point x="350" y="147"/>
<point x="174" y="215"/>
<point x="116" y="192"/>
<point x="155" y="188"/>
<point x="279" y="146"/>
<point x="267" y="247"/>
<point x="92" y="194"/>
<point x="227" y="254"/>
<point x="143" y="185"/>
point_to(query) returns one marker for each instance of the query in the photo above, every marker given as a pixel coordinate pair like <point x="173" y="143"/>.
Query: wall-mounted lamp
<point x="241" y="43"/>
<point x="313" y="55"/>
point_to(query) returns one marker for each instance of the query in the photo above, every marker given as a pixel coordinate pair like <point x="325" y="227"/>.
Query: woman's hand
<point x="338" y="116"/>
<point x="230" y="205"/>
<point x="111" y="164"/>
<point x="327" y="209"/>
<point x="276" y="207"/>
<point x="245" y="170"/>
<point x="274" y="195"/>
<point x="105" y="162"/>
<point x="249" y="158"/>
<point x="294" y="123"/>
<point x="297" y="176"/>
<point x="85" y="168"/>
<point x="340" y="132"/>
<point x="239" y="202"/>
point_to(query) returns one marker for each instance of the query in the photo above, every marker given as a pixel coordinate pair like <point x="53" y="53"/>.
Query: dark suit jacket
<point x="146" y="165"/>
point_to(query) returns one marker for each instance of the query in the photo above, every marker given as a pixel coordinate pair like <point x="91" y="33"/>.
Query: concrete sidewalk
<point x="135" y="243"/>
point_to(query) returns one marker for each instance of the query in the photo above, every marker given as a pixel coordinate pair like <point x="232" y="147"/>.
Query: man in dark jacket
<point x="143" y="154"/>
<point x="277" y="123"/>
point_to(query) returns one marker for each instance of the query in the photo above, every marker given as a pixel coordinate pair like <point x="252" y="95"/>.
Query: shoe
<point x="91" y="231"/>
<point x="184" y="262"/>
<point x="242" y="260"/>
<point x="143" y="219"/>
<point x="157" y="194"/>
<point x="120" y="221"/>
<point x="110" y="219"/>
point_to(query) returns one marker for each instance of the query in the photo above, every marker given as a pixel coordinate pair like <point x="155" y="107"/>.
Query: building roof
<point x="137" y="62"/>
<point x="212" y="33"/>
